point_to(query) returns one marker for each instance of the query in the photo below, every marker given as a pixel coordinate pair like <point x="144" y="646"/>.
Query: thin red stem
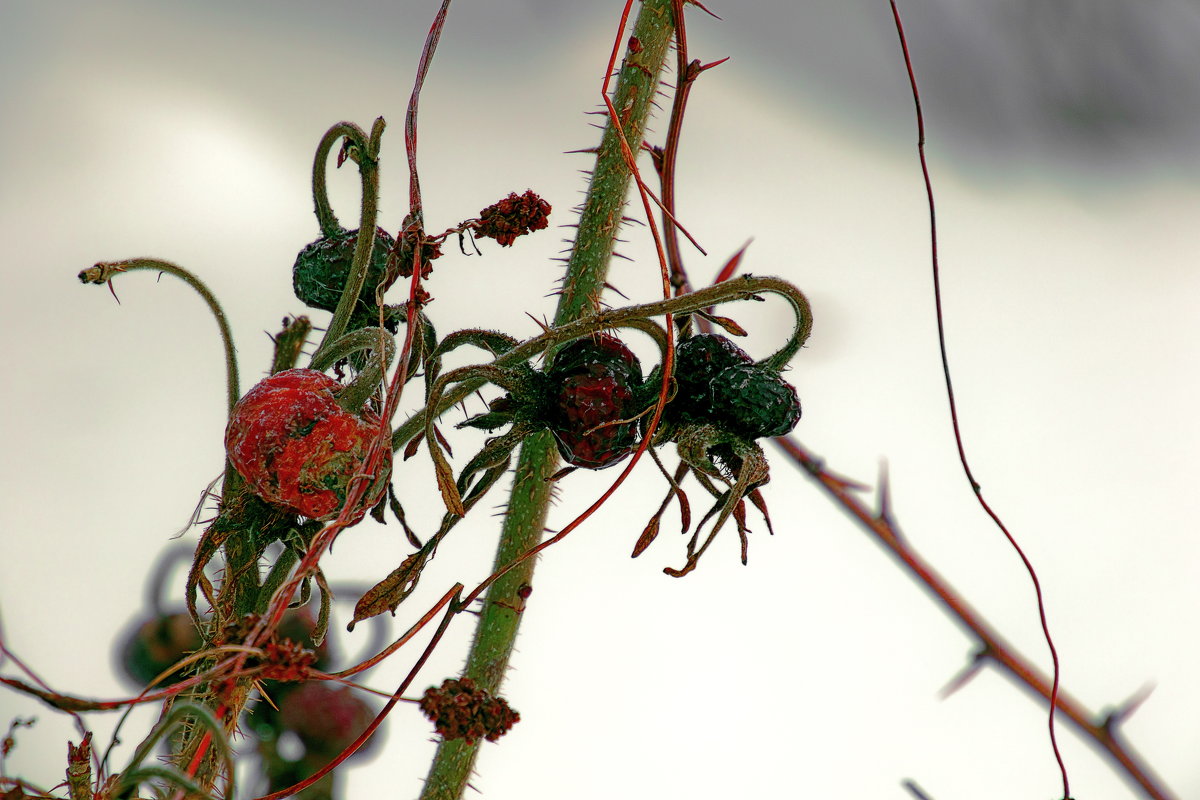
<point x="958" y="439"/>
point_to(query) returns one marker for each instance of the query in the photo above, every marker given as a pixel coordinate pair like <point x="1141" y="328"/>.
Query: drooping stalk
<point x="106" y="271"/>
<point x="586" y="272"/>
<point x="365" y="152"/>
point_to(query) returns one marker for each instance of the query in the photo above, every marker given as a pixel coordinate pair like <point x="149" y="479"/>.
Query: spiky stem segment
<point x="586" y="273"/>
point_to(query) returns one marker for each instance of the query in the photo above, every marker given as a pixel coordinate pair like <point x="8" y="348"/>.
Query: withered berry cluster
<point x="459" y="709"/>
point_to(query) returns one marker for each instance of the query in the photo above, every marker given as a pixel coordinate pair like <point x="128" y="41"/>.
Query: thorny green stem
<point x="366" y="154"/>
<point x="104" y="272"/>
<point x="586" y="272"/>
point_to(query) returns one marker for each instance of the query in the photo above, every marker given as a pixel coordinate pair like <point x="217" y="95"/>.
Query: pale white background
<point x="1063" y="144"/>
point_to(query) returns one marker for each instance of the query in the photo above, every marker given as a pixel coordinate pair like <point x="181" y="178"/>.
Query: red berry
<point x="588" y="407"/>
<point x="326" y="716"/>
<point x="594" y="380"/>
<point x="600" y="354"/>
<point x="297" y="448"/>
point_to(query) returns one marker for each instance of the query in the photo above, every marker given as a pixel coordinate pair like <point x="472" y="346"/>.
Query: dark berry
<point x="322" y="267"/>
<point x="754" y="402"/>
<point x="327" y="717"/>
<point x="593" y="381"/>
<point x="596" y="355"/>
<point x="157" y="645"/>
<point x="587" y="428"/>
<point x="698" y="361"/>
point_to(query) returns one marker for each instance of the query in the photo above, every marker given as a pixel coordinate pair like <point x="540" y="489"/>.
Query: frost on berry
<point x="460" y="710"/>
<point x="594" y="382"/>
<point x="322" y="268"/>
<point x="515" y="215"/>
<point x="297" y="448"/>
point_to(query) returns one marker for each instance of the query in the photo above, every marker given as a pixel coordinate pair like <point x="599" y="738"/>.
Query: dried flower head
<point x="460" y="710"/>
<point x="515" y="215"/>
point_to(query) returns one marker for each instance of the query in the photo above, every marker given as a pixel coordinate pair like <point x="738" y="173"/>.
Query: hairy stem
<point x="586" y="273"/>
<point x="106" y="271"/>
<point x="365" y="152"/>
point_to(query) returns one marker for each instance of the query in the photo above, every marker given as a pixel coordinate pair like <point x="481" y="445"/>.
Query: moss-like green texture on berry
<point x="322" y="267"/>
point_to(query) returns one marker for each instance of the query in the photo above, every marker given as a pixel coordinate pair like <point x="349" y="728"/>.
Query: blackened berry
<point x="754" y="402"/>
<point x="322" y="267"/>
<point x="156" y="645"/>
<point x="593" y="381"/>
<point x="698" y="361"/>
<point x="600" y="354"/>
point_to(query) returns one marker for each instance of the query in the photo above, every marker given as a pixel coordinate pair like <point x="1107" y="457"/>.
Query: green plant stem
<point x="106" y="271"/>
<point x="366" y="153"/>
<point x="587" y="270"/>
<point x="327" y="221"/>
<point x="746" y="287"/>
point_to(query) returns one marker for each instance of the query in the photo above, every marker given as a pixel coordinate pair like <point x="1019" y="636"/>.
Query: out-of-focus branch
<point x="1100" y="731"/>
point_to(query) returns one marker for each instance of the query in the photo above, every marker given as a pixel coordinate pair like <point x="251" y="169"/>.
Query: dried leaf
<point x="446" y="485"/>
<point x="390" y="592"/>
<point x="413" y="445"/>
<point x="731" y="327"/>
<point x="210" y="541"/>
<point x="685" y="511"/>
<point x="760" y="503"/>
<point x="442" y="441"/>
<point x="648" y="535"/>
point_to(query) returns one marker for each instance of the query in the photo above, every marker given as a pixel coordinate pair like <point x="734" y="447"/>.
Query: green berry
<point x="322" y="267"/>
<point x="753" y="402"/>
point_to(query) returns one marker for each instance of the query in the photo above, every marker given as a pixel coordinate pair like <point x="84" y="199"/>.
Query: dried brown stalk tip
<point x="515" y="215"/>
<point x="460" y="710"/>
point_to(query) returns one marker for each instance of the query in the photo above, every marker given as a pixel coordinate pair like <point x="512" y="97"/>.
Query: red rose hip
<point x="297" y="447"/>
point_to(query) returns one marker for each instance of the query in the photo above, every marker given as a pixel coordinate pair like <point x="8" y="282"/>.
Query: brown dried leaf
<point x="648" y="536"/>
<point x="447" y="486"/>
<point x="390" y="592"/>
<point x="413" y="445"/>
<point x="760" y="503"/>
<point x="727" y="323"/>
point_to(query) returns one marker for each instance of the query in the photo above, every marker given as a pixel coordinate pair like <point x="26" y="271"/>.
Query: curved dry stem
<point x="103" y="272"/>
<point x="747" y="287"/>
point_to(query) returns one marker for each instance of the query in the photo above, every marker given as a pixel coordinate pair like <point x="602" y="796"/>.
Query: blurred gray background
<point x="1063" y="140"/>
